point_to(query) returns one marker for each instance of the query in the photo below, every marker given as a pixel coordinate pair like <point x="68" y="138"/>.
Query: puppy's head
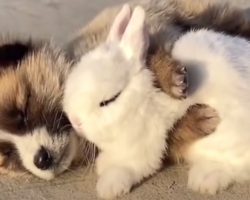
<point x="35" y="134"/>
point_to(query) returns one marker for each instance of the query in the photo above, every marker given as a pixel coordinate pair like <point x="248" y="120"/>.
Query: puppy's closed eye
<point x="14" y="121"/>
<point x="20" y="115"/>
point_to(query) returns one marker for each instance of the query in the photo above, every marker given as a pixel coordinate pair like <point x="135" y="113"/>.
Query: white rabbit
<point x="219" y="66"/>
<point x="120" y="110"/>
<point x="110" y="99"/>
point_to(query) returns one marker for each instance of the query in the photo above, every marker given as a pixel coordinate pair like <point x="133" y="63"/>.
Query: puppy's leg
<point x="199" y="121"/>
<point x="170" y="75"/>
<point x="221" y="158"/>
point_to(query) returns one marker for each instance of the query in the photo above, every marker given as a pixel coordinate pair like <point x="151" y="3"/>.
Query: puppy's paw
<point x="204" y="118"/>
<point x="115" y="182"/>
<point x="179" y="83"/>
<point x="207" y="179"/>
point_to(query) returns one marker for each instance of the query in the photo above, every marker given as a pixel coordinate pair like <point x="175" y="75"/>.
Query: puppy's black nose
<point x="43" y="159"/>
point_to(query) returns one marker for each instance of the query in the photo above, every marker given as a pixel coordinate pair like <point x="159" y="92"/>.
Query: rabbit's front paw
<point x="179" y="84"/>
<point x="206" y="179"/>
<point x="115" y="182"/>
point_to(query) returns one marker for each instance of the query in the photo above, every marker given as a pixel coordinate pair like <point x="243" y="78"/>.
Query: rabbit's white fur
<point x="131" y="131"/>
<point x="222" y="63"/>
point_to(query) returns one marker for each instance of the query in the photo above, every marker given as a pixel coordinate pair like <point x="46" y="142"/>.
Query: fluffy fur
<point x="143" y="115"/>
<point x="167" y="21"/>
<point x="31" y="82"/>
<point x="119" y="109"/>
<point x="220" y="67"/>
<point x="168" y="18"/>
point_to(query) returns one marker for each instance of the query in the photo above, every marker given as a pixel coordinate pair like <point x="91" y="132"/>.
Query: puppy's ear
<point x="135" y="39"/>
<point x="11" y="53"/>
<point x="119" y="25"/>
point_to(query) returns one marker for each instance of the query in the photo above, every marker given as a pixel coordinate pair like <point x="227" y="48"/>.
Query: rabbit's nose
<point x="43" y="159"/>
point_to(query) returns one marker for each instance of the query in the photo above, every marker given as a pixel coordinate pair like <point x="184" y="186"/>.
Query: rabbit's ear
<point x="119" y="25"/>
<point x="135" y="39"/>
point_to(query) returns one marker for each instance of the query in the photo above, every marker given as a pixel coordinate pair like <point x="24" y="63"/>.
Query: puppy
<point x="35" y="134"/>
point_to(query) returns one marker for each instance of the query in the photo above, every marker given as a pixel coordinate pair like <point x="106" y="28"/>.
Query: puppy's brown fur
<point x="167" y="20"/>
<point x="32" y="91"/>
<point x="32" y="76"/>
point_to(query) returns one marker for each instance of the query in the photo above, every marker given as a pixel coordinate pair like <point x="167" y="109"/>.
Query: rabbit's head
<point x="103" y="88"/>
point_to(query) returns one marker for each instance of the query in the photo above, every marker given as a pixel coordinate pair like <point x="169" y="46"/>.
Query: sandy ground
<point x="58" y="19"/>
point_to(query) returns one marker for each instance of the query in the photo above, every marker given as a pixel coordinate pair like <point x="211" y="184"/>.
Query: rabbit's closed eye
<point x="107" y="102"/>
